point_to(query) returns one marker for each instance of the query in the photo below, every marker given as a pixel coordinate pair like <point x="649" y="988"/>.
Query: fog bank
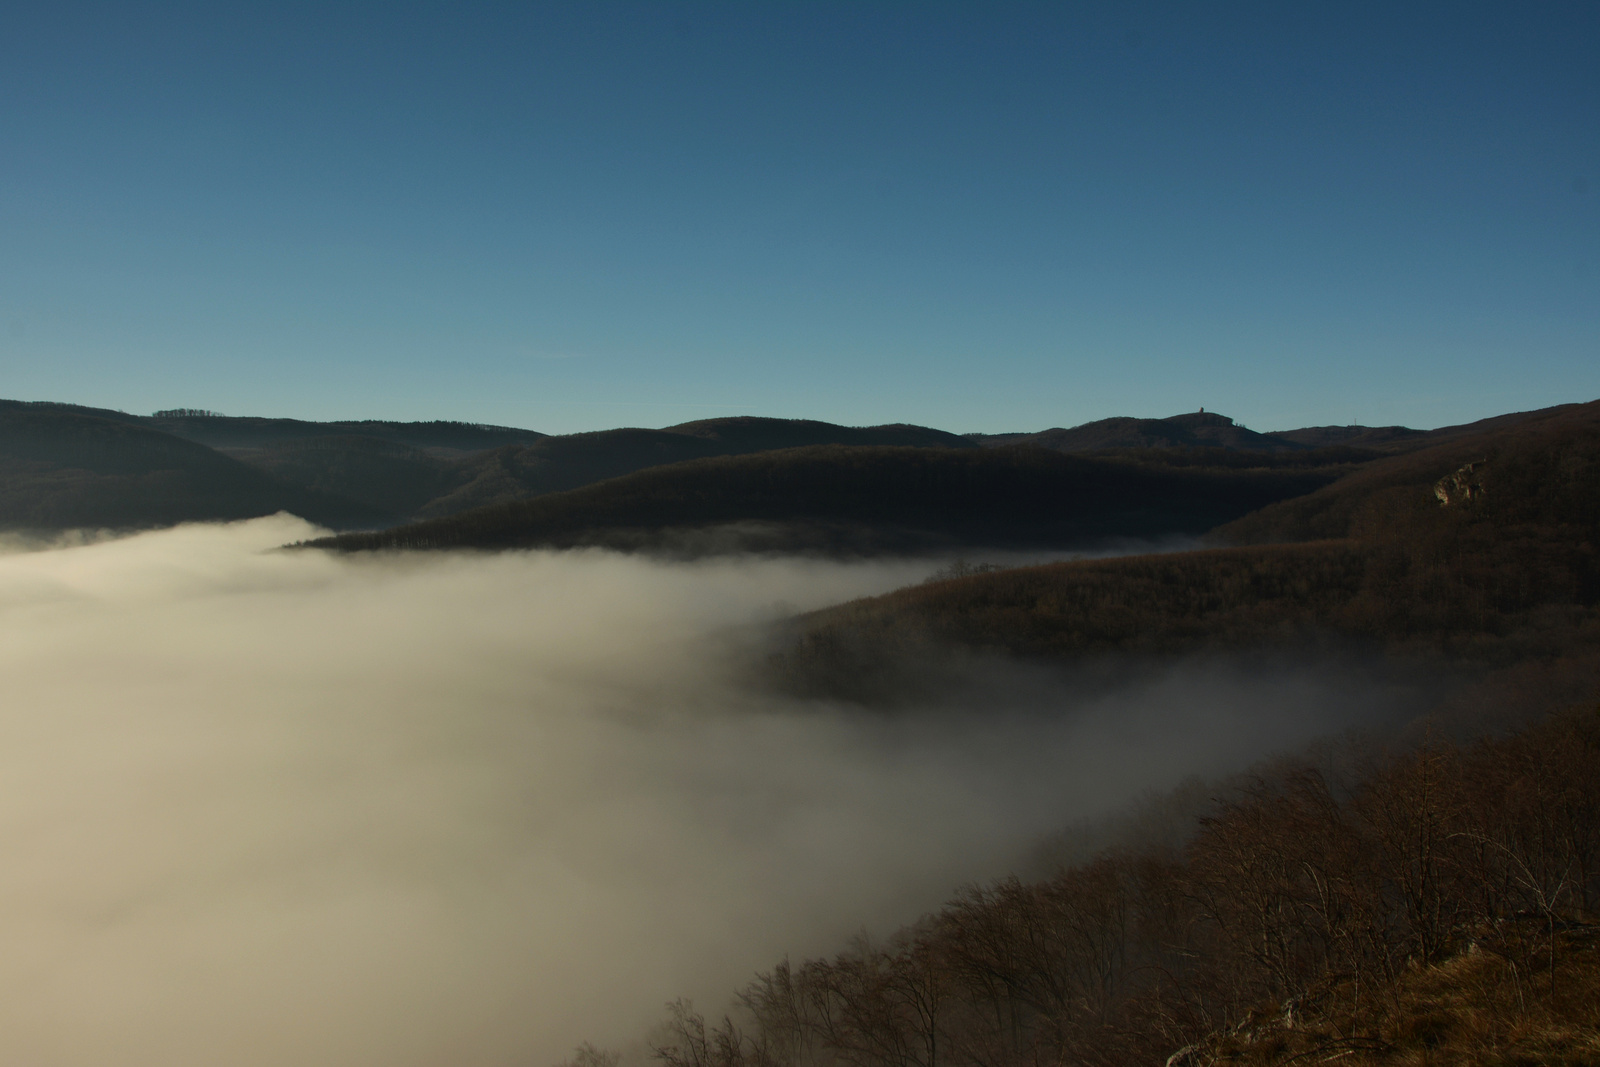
<point x="263" y="807"/>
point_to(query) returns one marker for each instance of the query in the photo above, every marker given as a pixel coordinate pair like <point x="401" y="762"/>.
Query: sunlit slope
<point x="839" y="498"/>
<point x="1417" y="554"/>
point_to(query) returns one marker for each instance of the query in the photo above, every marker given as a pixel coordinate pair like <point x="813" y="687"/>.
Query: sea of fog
<point x="265" y="807"/>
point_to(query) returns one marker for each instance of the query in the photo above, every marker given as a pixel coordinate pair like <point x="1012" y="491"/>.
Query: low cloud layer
<point x="262" y="807"/>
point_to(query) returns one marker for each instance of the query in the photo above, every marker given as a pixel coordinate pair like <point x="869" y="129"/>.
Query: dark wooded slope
<point x="872" y="499"/>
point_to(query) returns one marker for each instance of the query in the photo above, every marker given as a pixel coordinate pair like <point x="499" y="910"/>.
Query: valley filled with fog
<point x="266" y="807"/>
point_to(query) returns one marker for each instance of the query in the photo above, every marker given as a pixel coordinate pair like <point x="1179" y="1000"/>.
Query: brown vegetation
<point x="1438" y="905"/>
<point x="1508" y="571"/>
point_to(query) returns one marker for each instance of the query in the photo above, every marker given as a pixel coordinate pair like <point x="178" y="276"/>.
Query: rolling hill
<point x="1194" y="430"/>
<point x="61" y="469"/>
<point x="352" y="474"/>
<point x="1483" y="551"/>
<point x="865" y="499"/>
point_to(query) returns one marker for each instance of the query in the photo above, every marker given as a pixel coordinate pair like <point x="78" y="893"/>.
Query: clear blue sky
<point x="976" y="216"/>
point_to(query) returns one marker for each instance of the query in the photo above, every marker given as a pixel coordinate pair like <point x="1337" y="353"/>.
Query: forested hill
<point x="1484" y="550"/>
<point x="834" y="498"/>
<point x="122" y="470"/>
<point x="1208" y="431"/>
<point x="554" y="464"/>
<point x="61" y="469"/>
<point x="1430" y="897"/>
<point x="1432" y="905"/>
<point x="65" y="465"/>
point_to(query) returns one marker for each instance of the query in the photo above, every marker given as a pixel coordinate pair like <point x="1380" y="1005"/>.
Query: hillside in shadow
<point x="1479" y="551"/>
<point x="63" y="469"/>
<point x="1135" y="478"/>
<point x="1209" y="431"/>
<point x="361" y="474"/>
<point x="866" y="499"/>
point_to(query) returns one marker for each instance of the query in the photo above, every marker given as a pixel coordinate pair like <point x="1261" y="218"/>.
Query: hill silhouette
<point x="62" y="468"/>
<point x="372" y="474"/>
<point x="360" y="474"/>
<point x="1209" y="431"/>
<point x="555" y="464"/>
<point x="1195" y="430"/>
<point x="247" y="432"/>
<point x="868" y="499"/>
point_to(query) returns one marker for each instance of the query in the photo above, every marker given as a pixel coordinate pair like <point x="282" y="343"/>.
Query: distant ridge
<point x="223" y="431"/>
<point x="1200" y="429"/>
<point x="1350" y="436"/>
<point x="1208" y="430"/>
<point x="364" y="474"/>
<point x="63" y="467"/>
<point x="67" y="464"/>
<point x="747" y="433"/>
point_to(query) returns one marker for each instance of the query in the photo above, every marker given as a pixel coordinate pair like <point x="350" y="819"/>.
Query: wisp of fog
<point x="272" y="807"/>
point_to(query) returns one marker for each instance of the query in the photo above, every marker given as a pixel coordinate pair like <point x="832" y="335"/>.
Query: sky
<point x="982" y="217"/>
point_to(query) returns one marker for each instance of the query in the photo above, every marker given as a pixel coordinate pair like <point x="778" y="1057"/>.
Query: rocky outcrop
<point x="1458" y="488"/>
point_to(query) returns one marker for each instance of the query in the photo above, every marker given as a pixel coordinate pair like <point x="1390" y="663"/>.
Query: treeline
<point x="1441" y="902"/>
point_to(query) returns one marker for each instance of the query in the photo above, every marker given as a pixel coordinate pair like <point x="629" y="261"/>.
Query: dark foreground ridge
<point x="1430" y="904"/>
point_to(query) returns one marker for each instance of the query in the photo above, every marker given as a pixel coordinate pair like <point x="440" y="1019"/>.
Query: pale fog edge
<point x="264" y="807"/>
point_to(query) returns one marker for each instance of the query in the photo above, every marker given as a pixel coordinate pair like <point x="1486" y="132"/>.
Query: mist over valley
<point x="267" y="806"/>
<point x="485" y="787"/>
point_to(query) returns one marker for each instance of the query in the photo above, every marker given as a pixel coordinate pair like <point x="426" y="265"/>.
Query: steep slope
<point x="1431" y="905"/>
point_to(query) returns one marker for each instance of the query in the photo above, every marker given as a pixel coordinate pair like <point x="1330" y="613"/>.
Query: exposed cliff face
<point x="1465" y="484"/>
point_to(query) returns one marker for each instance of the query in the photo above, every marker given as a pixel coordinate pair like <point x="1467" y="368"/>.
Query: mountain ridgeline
<point x="1433" y="898"/>
<point x="64" y="466"/>
<point x="1482" y="552"/>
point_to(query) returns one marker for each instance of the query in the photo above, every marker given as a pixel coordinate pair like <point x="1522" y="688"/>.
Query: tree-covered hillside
<point x="869" y="499"/>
